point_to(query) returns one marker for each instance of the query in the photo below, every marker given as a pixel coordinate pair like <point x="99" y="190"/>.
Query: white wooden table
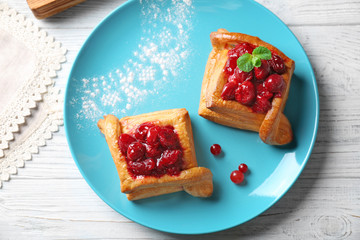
<point x="49" y="199"/>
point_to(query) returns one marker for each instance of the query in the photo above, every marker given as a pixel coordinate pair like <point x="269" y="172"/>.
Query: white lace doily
<point x="30" y="105"/>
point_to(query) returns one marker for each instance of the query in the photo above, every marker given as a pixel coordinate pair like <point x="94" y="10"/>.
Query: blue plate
<point x="151" y="55"/>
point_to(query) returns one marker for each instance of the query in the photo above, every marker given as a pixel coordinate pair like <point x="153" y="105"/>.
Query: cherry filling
<point x="256" y="88"/>
<point x="152" y="150"/>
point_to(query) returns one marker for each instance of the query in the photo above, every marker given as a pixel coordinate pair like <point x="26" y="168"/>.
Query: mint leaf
<point x="262" y="53"/>
<point x="256" y="61"/>
<point x="245" y="62"/>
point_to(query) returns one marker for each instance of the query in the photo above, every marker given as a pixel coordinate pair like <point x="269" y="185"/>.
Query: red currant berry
<point x="215" y="149"/>
<point x="237" y="177"/>
<point x="243" y="168"/>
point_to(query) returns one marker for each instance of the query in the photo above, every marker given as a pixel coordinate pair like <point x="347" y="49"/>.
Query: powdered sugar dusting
<point x="158" y="58"/>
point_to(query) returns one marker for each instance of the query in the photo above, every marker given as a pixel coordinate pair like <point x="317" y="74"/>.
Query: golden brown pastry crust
<point x="195" y="180"/>
<point x="273" y="127"/>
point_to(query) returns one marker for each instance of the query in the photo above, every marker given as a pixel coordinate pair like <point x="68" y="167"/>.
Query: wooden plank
<point x="292" y="13"/>
<point x="319" y="12"/>
<point x="312" y="209"/>
<point x="46" y="8"/>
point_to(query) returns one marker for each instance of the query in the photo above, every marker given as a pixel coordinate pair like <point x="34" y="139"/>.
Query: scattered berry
<point x="237" y="177"/>
<point x="215" y="149"/>
<point x="243" y="168"/>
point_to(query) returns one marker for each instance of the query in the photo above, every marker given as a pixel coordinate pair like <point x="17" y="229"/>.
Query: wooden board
<point x="46" y="8"/>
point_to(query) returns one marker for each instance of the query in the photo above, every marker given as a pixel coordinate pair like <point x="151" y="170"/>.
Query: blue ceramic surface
<point x="151" y="55"/>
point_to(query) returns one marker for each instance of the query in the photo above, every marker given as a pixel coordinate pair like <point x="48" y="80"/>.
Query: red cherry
<point x="277" y="95"/>
<point x="262" y="104"/>
<point x="174" y="170"/>
<point x="277" y="64"/>
<point x="245" y="76"/>
<point x="153" y="151"/>
<point x="156" y="152"/>
<point x="152" y="137"/>
<point x="142" y="130"/>
<point x="142" y="167"/>
<point x="170" y="127"/>
<point x="124" y="141"/>
<point x="228" y="92"/>
<point x="230" y="65"/>
<point x="237" y="177"/>
<point x="266" y="94"/>
<point x="149" y="164"/>
<point x="245" y="93"/>
<point x="168" y="138"/>
<point x="260" y="88"/>
<point x="169" y="157"/>
<point x="240" y="76"/>
<point x="234" y="54"/>
<point x="274" y="83"/>
<point x="243" y="168"/>
<point x="263" y="71"/>
<point x="136" y="167"/>
<point x="215" y="149"/>
<point x="135" y="151"/>
<point x="234" y="79"/>
<point x="240" y="49"/>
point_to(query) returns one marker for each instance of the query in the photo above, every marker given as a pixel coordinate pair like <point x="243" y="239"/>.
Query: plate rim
<point x="275" y="200"/>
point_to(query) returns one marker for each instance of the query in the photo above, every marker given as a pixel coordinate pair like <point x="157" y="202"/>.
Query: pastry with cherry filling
<point x="154" y="154"/>
<point x="246" y="86"/>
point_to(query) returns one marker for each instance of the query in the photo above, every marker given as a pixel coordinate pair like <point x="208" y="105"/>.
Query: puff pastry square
<point x="273" y="126"/>
<point x="195" y="180"/>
